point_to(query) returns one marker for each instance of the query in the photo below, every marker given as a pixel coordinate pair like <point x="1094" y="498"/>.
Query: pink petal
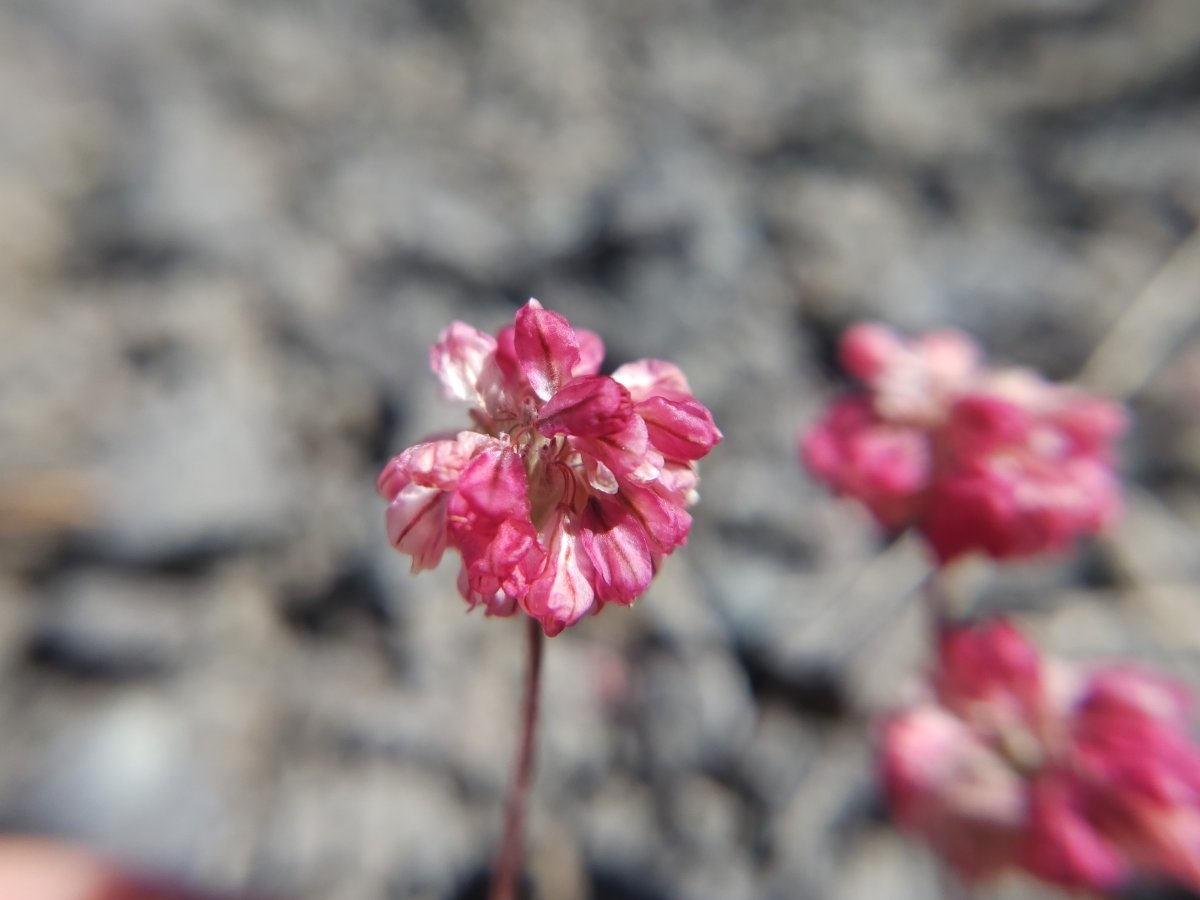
<point x="417" y="484"/>
<point x="626" y="452"/>
<point x="1062" y="847"/>
<point x="664" y="519"/>
<point x="948" y="787"/>
<point x="979" y="424"/>
<point x="498" y="604"/>
<point x="867" y="349"/>
<point x="591" y="353"/>
<point x="546" y="348"/>
<point x="857" y="454"/>
<point x="506" y="356"/>
<point x="968" y="512"/>
<point x="619" y="549"/>
<point x="950" y="357"/>
<point x="589" y="406"/>
<point x="488" y="520"/>
<point x="1126" y="690"/>
<point x="433" y="463"/>
<point x="416" y="524"/>
<point x="563" y="593"/>
<point x="504" y="565"/>
<point x="1164" y="841"/>
<point x="459" y="358"/>
<point x="648" y="378"/>
<point x="680" y="429"/>
<point x="991" y="669"/>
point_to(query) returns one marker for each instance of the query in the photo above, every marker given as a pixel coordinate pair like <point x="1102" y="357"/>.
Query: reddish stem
<point x="508" y="867"/>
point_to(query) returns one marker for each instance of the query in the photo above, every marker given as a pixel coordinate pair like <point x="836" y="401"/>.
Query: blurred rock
<point x="109" y="627"/>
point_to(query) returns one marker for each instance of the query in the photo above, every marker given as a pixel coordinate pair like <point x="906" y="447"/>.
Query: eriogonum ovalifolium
<point x="1080" y="776"/>
<point x="572" y="485"/>
<point x="999" y="462"/>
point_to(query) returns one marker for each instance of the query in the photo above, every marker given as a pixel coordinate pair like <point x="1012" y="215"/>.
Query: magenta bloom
<point x="998" y="462"/>
<point x="572" y="486"/>
<point x="1080" y="777"/>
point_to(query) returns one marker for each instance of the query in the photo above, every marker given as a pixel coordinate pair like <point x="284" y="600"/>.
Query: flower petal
<point x="488" y="520"/>
<point x="619" y="549"/>
<point x="433" y="463"/>
<point x="587" y="407"/>
<point x="591" y="353"/>
<point x="546" y="348"/>
<point x="416" y="485"/>
<point x="680" y="429"/>
<point x="950" y="788"/>
<point x="664" y="520"/>
<point x="1061" y="846"/>
<point x="563" y="593"/>
<point x="459" y="358"/>
<point x="648" y="378"/>
<point x="416" y="524"/>
<point x="992" y="668"/>
<point x="857" y="454"/>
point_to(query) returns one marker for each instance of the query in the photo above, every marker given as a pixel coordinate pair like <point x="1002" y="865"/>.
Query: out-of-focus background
<point x="229" y="231"/>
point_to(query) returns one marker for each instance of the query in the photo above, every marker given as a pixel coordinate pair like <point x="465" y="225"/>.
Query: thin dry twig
<point x="1143" y="337"/>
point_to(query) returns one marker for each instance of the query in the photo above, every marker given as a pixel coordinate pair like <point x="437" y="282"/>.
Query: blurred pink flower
<point x="572" y="486"/>
<point x="1080" y="777"/>
<point x="999" y="462"/>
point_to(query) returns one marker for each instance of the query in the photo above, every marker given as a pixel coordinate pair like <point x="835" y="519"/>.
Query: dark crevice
<point x="812" y="687"/>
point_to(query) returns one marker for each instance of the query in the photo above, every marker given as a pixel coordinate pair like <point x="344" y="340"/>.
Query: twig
<point x="1150" y="328"/>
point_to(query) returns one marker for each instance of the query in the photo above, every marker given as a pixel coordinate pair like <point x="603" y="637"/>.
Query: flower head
<point x="1080" y="777"/>
<point x="571" y="487"/>
<point x="998" y="462"/>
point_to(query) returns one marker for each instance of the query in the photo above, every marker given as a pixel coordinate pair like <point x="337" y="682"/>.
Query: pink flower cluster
<point x="979" y="460"/>
<point x="1079" y="777"/>
<point x="572" y="486"/>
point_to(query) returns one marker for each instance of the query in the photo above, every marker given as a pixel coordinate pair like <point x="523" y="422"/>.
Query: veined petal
<point x="488" y="520"/>
<point x="648" y="378"/>
<point x="506" y="356"/>
<point x="619" y="550"/>
<point x="626" y="451"/>
<point x="491" y="489"/>
<point x="459" y="358"/>
<point x="497" y="604"/>
<point x="680" y="429"/>
<point x="546" y="348"/>
<point x="599" y="476"/>
<point x="563" y="593"/>
<point x="506" y="563"/>
<point x="417" y="484"/>
<point x="416" y="524"/>
<point x="665" y="520"/>
<point x="589" y="406"/>
<point x="433" y="463"/>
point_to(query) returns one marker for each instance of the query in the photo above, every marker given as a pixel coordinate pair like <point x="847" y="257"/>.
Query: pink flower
<point x="998" y="462"/>
<point x="1080" y="777"/>
<point x="571" y="487"/>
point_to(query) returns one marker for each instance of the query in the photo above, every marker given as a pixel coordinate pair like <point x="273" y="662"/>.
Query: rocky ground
<point x="230" y="230"/>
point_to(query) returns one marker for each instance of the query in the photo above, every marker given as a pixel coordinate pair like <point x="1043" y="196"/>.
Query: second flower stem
<point x="506" y="873"/>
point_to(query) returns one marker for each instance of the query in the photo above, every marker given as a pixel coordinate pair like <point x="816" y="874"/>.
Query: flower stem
<point x="509" y="861"/>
